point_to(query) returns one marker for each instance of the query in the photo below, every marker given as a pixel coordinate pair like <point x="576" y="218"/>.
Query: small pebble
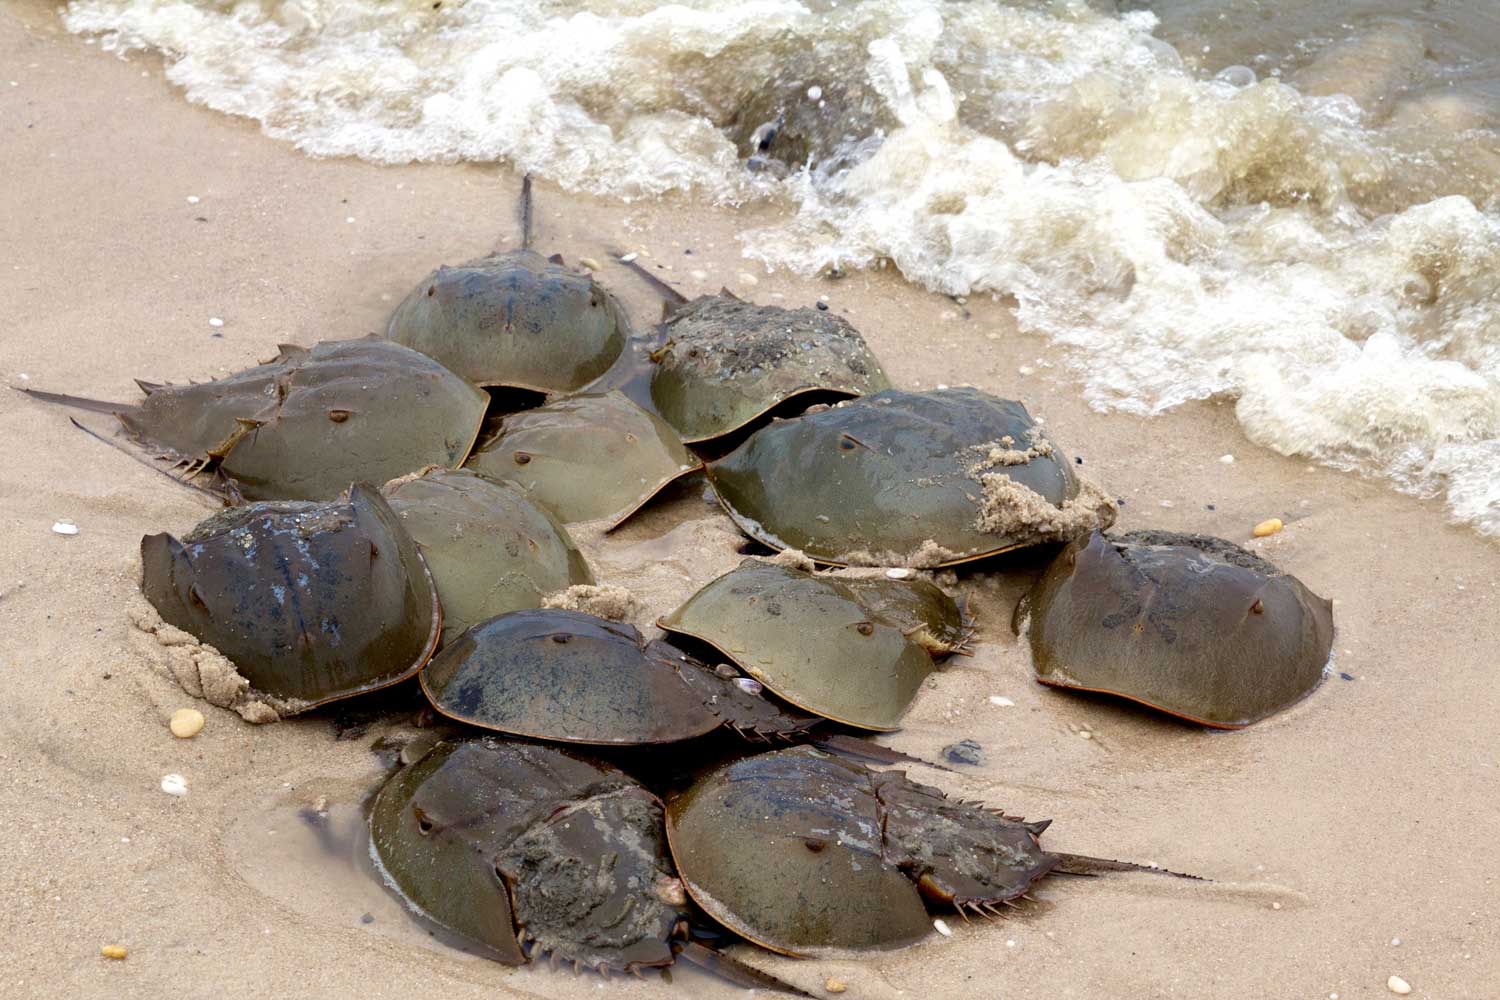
<point x="1398" y="986"/>
<point x="1275" y="906"/>
<point x="1227" y="459"/>
<point x="941" y="927"/>
<point x="1001" y="700"/>
<point x="746" y="278"/>
<point x="815" y="93"/>
<point x="215" y="322"/>
<point x="589" y="262"/>
<point x="174" y="784"/>
<point x="1085" y="734"/>
<point x="1395" y="942"/>
<point x="823" y="306"/>
<point x="898" y="573"/>
<point x="749" y="685"/>
<point x="193" y="199"/>
<point x="627" y="258"/>
<point x="835" y="985"/>
<point x="114" y="951"/>
<point x="64" y="528"/>
<point x="964" y="752"/>
<point x="1267" y="527"/>
<point x="186" y="723"/>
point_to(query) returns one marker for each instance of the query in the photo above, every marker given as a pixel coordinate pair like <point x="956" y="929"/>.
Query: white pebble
<point x="1011" y="943"/>
<point x="174" y="784"/>
<point x="898" y="573"/>
<point x="1398" y="986"/>
<point x="1025" y="369"/>
<point x="629" y="257"/>
<point x="24" y="376"/>
<point x="215" y="322"/>
<point x="1085" y="734"/>
<point x="348" y="218"/>
<point x="942" y="386"/>
<point x="814" y="93"/>
<point x="193" y="199"/>
<point x="1226" y="459"/>
<point x="1395" y="942"/>
<point x="64" y="527"/>
<point x="941" y="927"/>
<point x="746" y="278"/>
<point x="1002" y="701"/>
<point x="1168" y="504"/>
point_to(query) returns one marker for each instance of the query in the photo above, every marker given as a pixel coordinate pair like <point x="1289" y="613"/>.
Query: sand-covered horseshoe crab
<point x="1189" y="624"/>
<point x="565" y="675"/>
<point x="514" y="319"/>
<point x="808" y="854"/>
<point x="587" y="457"/>
<point x="816" y="643"/>
<point x="312" y="601"/>
<point x="907" y="478"/>
<point x="306" y="424"/>
<point x="727" y="362"/>
<point x="530" y="851"/>
<point x="489" y="547"/>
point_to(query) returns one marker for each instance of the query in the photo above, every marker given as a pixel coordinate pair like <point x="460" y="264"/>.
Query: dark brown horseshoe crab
<point x="514" y="319"/>
<point x="1189" y="624"/>
<point x="907" y="478"/>
<point x="531" y="850"/>
<point x="818" y="644"/>
<point x="808" y="854"/>
<point x="312" y="601"/>
<point x="489" y="547"/>
<point x="728" y="362"/>
<point x="587" y="457"/>
<point x="565" y="675"/>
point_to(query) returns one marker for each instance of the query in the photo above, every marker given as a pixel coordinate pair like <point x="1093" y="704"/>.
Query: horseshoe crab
<point x="489" y="547"/>
<point x="312" y="601"/>
<point x="727" y="362"/>
<point x="808" y="854"/>
<point x="531" y="850"/>
<point x="514" y="319"/>
<point x="306" y="424"/>
<point x="1189" y="624"/>
<point x="565" y="675"/>
<point x="923" y="479"/>
<point x="820" y="643"/>
<point x="587" y="457"/>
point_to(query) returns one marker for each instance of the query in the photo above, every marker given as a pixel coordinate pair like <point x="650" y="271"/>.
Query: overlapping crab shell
<point x="490" y="548"/>
<point x="816" y="643"/>
<point x="587" y="457"/>
<point x="728" y="362"/>
<point x="565" y="675"/>
<point x="511" y="845"/>
<point x="306" y="424"/>
<point x="811" y="855"/>
<point x="1188" y="624"/>
<point x="312" y="601"/>
<point x="907" y="478"/>
<point x="514" y="319"/>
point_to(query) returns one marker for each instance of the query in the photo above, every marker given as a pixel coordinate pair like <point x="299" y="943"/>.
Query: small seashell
<point x="114" y="951"/>
<point x="1001" y="700"/>
<point x="627" y="258"/>
<point x="835" y="985"/>
<point x="941" y="927"/>
<point x="1398" y="986"/>
<point x="589" y="262"/>
<point x="193" y="199"/>
<point x="1267" y="527"/>
<point x="1226" y="459"/>
<point x="215" y="322"/>
<point x="898" y="573"/>
<point x="749" y="685"/>
<point x="64" y="528"/>
<point x="174" y="784"/>
<point x="186" y="723"/>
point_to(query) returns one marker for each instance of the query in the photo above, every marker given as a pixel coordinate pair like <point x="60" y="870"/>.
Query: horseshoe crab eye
<point x="424" y="825"/>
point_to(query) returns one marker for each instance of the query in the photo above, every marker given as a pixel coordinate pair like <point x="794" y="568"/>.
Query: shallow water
<point x="1293" y="204"/>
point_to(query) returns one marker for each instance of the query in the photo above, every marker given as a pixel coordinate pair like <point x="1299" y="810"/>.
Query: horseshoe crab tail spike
<point x="673" y="296"/>
<point x="526" y="212"/>
<point x="854" y="746"/>
<point x="77" y="402"/>
<point x="1082" y="864"/>
<point x="223" y="498"/>
<point x="735" y="971"/>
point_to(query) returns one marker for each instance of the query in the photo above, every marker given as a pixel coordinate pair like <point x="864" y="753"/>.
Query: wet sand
<point x="1363" y="815"/>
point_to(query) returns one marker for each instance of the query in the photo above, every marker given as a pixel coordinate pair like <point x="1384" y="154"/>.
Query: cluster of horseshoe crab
<point x="319" y="586"/>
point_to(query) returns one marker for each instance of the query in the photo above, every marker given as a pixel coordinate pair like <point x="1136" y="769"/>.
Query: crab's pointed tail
<point x="225" y="495"/>
<point x="77" y="402"/>
<point x="1082" y="864"/>
<point x="673" y="297"/>
<point x="854" y="746"/>
<point x="735" y="971"/>
<point x="526" y="212"/>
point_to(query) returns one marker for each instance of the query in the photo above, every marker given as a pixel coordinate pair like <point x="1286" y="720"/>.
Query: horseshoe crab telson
<point x="808" y="854"/>
<point x="814" y="642"/>
<point x="312" y="601"/>
<point x="489" y="547"/>
<point x="564" y="675"/>
<point x="587" y="457"/>
<point x="513" y="845"/>
<point x="1189" y="624"/>
<point x="727" y="363"/>
<point x="514" y="319"/>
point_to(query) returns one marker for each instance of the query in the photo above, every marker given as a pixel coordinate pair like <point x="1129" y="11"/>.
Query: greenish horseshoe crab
<point x="489" y="547"/>
<point x="727" y="363"/>
<point x="569" y="676"/>
<point x="311" y="601"/>
<point x="306" y="424"/>
<point x="1189" y="624"/>
<point x="820" y="643"/>
<point x="922" y="479"/>
<point x="810" y="855"/>
<point x="514" y="319"/>
<point x="587" y="457"/>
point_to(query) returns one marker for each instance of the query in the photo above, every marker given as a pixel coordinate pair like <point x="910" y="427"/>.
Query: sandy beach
<point x="1349" y="839"/>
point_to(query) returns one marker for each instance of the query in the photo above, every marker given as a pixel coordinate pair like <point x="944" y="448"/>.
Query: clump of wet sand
<point x="200" y="669"/>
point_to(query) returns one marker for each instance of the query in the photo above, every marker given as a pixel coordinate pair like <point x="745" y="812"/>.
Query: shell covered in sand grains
<point x="306" y="424"/>
<point x="513" y="319"/>
<point x="814" y="641"/>
<point x="728" y="362"/>
<point x="907" y="478"/>
<point x="489" y="836"/>
<point x="1189" y="624"/>
<point x="810" y="855"/>
<point x="587" y="457"/>
<point x="312" y="602"/>
<point x="490" y="548"/>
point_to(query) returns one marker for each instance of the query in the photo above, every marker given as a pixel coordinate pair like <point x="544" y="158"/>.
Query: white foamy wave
<point x="1177" y="236"/>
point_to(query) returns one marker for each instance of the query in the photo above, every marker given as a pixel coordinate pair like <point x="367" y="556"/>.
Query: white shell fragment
<point x="64" y="528"/>
<point x="174" y="784"/>
<point x="941" y="926"/>
<point x="1398" y="986"/>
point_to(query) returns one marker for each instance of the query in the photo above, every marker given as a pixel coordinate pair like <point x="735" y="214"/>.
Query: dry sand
<point x="1367" y="813"/>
